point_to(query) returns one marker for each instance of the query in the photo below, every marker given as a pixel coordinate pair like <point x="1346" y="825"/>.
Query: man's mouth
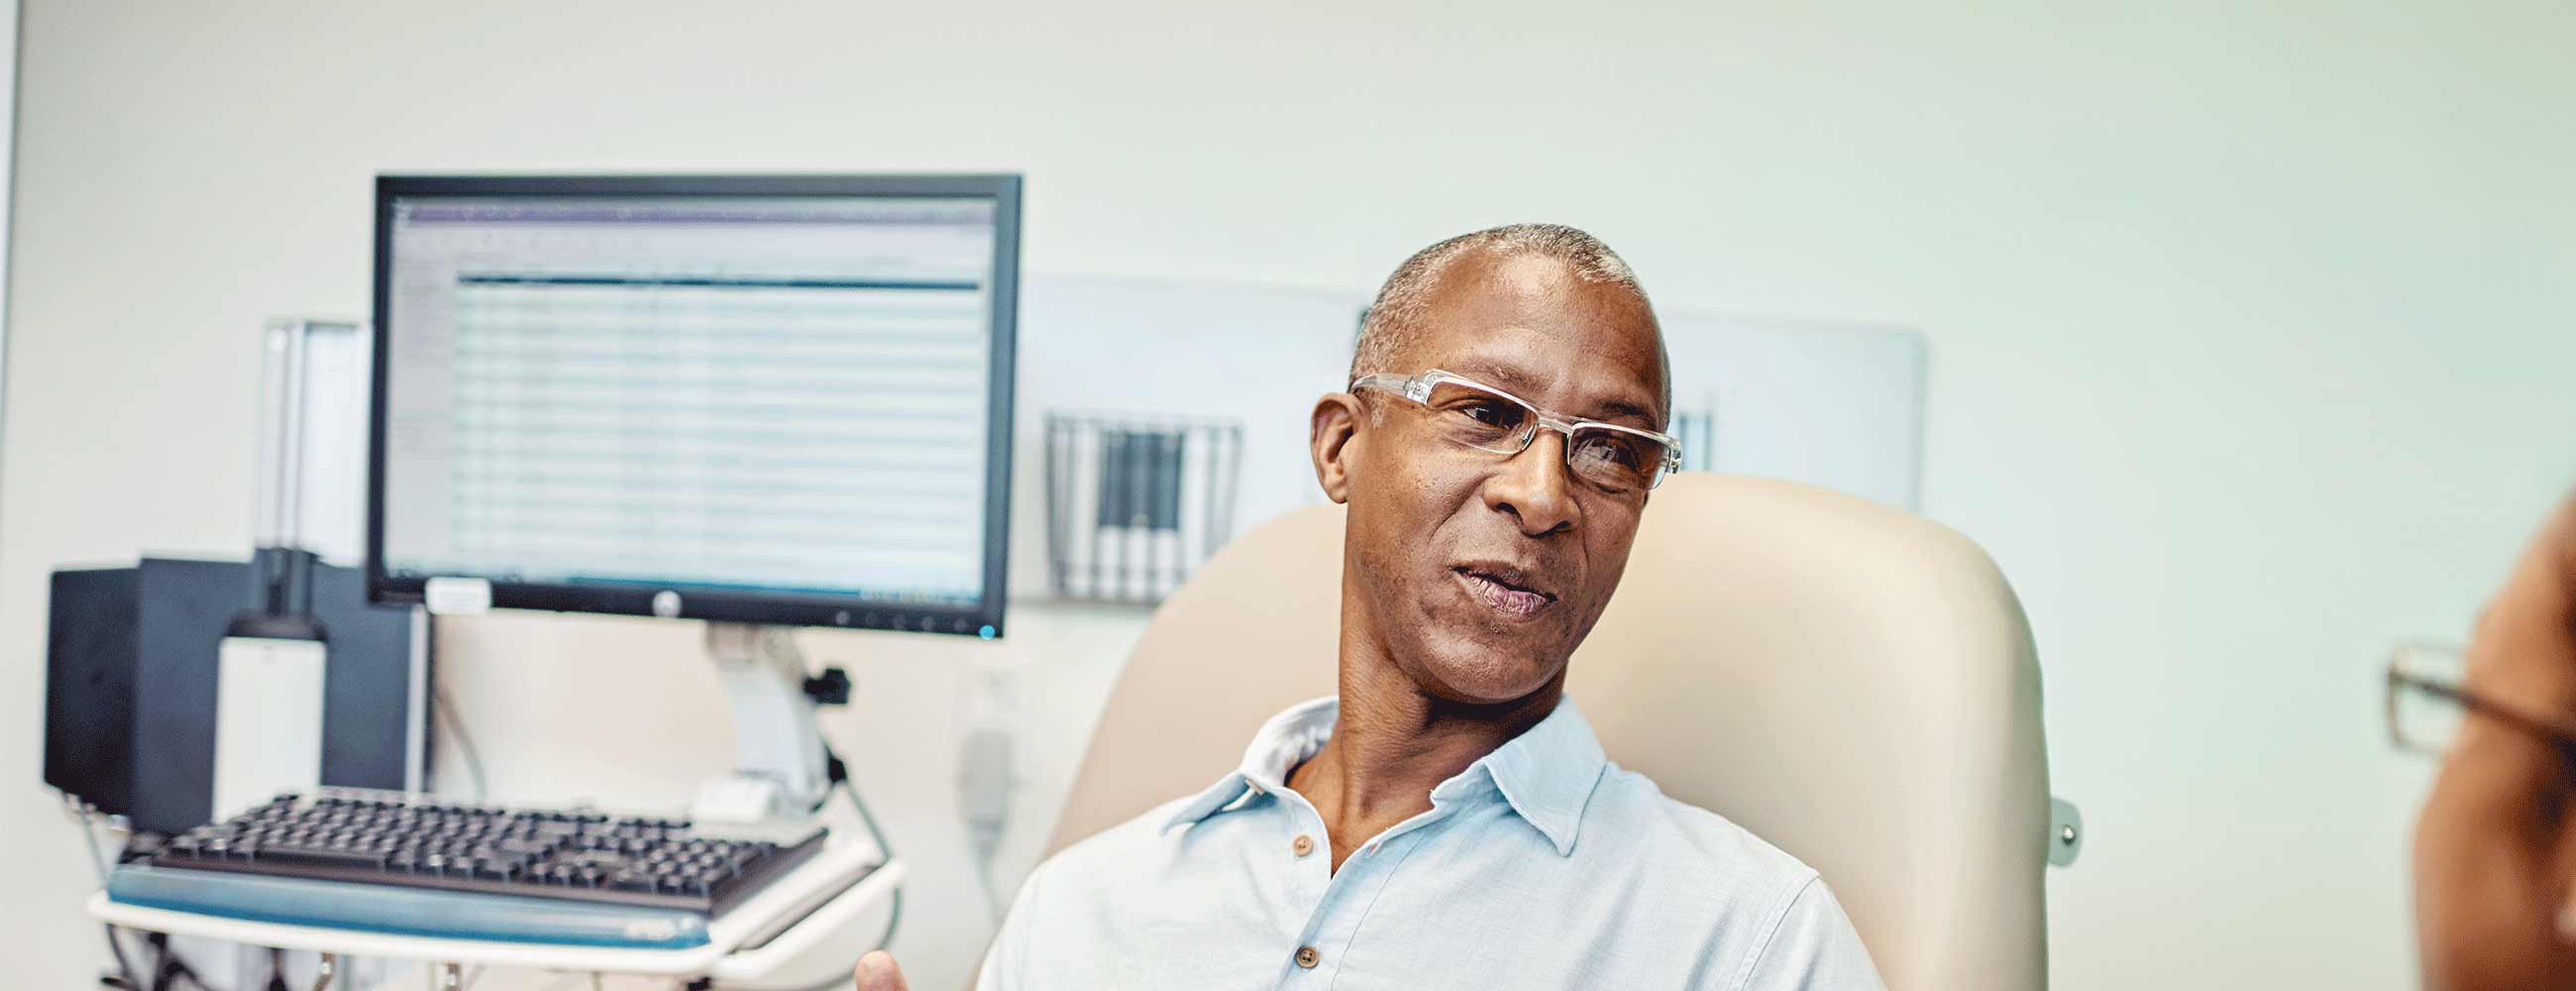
<point x="1504" y="589"/>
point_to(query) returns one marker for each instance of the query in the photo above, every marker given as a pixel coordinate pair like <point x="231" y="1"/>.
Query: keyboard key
<point x="327" y="856"/>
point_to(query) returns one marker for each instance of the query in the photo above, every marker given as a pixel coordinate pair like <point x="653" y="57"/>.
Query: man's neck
<point x="1393" y="742"/>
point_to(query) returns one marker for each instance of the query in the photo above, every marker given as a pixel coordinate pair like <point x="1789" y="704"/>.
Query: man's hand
<point x="877" y="972"/>
<point x="2495" y="847"/>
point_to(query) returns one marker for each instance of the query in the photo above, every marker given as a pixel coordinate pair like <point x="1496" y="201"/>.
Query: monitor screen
<point x="779" y="399"/>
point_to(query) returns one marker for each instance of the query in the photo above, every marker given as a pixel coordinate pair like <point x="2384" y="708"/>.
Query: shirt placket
<point x="1341" y="901"/>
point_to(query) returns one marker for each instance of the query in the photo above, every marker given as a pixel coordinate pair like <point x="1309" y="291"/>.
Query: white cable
<point x="86" y="820"/>
<point x="986" y="843"/>
<point x="89" y="835"/>
<point x="849" y="787"/>
<point x="464" y="741"/>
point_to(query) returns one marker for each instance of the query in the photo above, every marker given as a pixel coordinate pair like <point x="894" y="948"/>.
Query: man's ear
<point x="1336" y="423"/>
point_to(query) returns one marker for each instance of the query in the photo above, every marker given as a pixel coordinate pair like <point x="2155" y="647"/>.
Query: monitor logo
<point x="666" y="604"/>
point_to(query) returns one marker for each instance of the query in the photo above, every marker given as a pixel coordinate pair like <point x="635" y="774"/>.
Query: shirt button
<point x="1308" y="958"/>
<point x="1303" y="846"/>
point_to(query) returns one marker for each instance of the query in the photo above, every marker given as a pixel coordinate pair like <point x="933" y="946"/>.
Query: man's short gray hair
<point x="1394" y="321"/>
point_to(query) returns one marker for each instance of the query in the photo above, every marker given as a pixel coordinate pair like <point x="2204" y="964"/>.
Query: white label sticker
<point x="268" y="720"/>
<point x="457" y="596"/>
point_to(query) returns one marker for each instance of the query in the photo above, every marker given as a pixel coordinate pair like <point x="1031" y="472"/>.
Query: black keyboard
<point x="388" y="838"/>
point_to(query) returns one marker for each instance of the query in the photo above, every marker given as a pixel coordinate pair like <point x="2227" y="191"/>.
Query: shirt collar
<point x="1546" y="774"/>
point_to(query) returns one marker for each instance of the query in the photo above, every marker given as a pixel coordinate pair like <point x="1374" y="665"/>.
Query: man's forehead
<point x="1532" y="326"/>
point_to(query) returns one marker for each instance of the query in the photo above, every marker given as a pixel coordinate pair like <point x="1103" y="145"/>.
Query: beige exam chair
<point x="1852" y="682"/>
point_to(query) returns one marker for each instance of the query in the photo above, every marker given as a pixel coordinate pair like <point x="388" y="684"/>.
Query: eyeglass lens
<point x="1613" y="459"/>
<point x="2421" y="718"/>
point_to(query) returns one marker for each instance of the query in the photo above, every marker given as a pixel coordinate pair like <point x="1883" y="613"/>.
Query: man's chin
<point x="1482" y="677"/>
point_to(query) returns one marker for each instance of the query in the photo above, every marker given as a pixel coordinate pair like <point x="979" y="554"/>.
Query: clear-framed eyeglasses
<point x="1614" y="458"/>
<point x="2428" y="702"/>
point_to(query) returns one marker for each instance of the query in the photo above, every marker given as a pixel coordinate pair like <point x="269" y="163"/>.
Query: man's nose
<point x="1532" y="487"/>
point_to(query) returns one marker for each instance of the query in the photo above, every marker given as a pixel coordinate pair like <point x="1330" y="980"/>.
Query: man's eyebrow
<point x="1512" y="380"/>
<point x="1621" y="409"/>
<point x="1502" y="376"/>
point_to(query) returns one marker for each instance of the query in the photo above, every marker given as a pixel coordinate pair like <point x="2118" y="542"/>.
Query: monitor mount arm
<point x="781" y="767"/>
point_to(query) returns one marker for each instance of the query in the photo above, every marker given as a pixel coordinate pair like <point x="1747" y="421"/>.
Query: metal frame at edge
<point x="729" y="605"/>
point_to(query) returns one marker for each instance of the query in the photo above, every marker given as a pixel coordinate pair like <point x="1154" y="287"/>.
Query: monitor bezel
<point x="984" y="619"/>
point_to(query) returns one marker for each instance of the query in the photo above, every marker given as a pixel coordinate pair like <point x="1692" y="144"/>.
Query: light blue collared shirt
<point x="1542" y="865"/>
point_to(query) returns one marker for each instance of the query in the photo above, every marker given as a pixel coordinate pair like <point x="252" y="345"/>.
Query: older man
<point x="1449" y="820"/>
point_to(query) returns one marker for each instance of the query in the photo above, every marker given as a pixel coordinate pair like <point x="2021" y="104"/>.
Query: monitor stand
<point x="780" y="767"/>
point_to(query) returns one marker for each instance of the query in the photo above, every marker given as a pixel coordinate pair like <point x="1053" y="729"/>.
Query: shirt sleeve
<point x="1814" y="948"/>
<point x="1006" y="963"/>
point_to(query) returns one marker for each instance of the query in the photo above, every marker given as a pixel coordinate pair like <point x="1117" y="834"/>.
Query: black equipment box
<point x="130" y="685"/>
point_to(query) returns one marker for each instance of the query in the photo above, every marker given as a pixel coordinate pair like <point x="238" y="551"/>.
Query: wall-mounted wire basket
<point x="1136" y="503"/>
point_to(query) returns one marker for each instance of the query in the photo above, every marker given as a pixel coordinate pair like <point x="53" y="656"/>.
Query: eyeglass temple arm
<point x="2561" y="732"/>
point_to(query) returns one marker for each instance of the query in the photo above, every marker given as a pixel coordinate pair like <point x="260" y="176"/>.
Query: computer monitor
<point x="758" y="399"/>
